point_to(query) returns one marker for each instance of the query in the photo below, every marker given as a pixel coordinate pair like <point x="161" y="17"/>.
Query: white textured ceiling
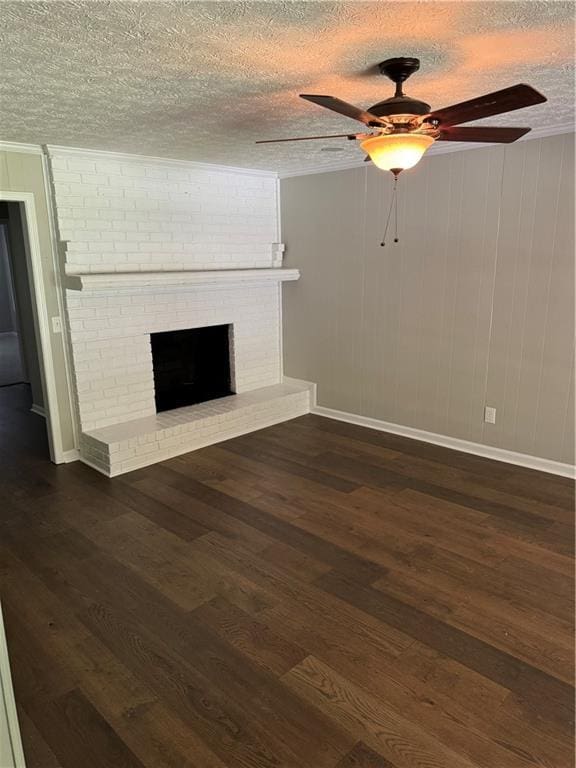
<point x="202" y="81"/>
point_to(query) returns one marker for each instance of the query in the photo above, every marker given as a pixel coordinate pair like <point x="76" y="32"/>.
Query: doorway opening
<point x="21" y="386"/>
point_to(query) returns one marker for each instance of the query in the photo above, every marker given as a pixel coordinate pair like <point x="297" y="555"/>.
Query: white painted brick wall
<point x="110" y="335"/>
<point x="123" y="215"/>
<point x="122" y="448"/>
<point x="119" y="214"/>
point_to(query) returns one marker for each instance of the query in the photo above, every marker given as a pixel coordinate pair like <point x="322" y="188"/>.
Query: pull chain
<point x="395" y="210"/>
<point x="393" y="207"/>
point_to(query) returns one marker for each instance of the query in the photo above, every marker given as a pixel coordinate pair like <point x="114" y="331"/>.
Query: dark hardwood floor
<point x="313" y="595"/>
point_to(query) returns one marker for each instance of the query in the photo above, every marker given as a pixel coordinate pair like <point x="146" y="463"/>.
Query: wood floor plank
<point x="475" y="615"/>
<point x="505" y="669"/>
<point x="446" y="699"/>
<point x="200" y="512"/>
<point x="285" y="460"/>
<point x="310" y="735"/>
<point x="274" y="479"/>
<point x="143" y="546"/>
<point x="128" y="704"/>
<point x="409" y="523"/>
<point x="402" y="562"/>
<point x="537" y="531"/>
<point x="145" y="729"/>
<point x="363" y="757"/>
<point x="36" y="671"/>
<point x="472" y="700"/>
<point x="312" y="595"/>
<point x="251" y="637"/>
<point x="196" y="647"/>
<point x="380" y="727"/>
<point x="496" y="475"/>
<point x="384" y="532"/>
<point x="79" y="735"/>
<point x="227" y="728"/>
<point x="241" y="483"/>
<point x="370" y="475"/>
<point x="304" y="567"/>
<point x="38" y="753"/>
<point x="280" y="530"/>
<point x="342" y="618"/>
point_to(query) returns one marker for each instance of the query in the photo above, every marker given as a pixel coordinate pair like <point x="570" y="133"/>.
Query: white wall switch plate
<point x="56" y="324"/>
<point x="489" y="415"/>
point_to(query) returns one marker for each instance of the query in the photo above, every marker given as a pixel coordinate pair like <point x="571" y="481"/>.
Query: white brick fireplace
<point x="154" y="246"/>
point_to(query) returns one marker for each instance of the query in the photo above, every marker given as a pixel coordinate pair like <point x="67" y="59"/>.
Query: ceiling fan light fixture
<point x="396" y="152"/>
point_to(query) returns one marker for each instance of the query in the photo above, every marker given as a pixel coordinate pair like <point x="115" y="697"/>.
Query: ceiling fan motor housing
<point x="399" y="105"/>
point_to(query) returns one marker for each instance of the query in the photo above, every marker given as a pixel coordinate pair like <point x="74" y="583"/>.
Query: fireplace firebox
<point x="191" y="366"/>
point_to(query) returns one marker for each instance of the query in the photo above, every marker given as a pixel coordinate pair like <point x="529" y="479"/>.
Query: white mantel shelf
<point x="110" y="281"/>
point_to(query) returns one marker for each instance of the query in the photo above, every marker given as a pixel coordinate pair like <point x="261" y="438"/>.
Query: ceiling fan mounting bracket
<point x="399" y="70"/>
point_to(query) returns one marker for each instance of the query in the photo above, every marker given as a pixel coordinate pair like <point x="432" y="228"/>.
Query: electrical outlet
<point x="56" y="325"/>
<point x="489" y="415"/>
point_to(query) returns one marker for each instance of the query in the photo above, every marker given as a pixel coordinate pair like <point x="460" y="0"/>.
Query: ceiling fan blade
<point x="311" y="138"/>
<point x="485" y="133"/>
<point x="343" y="108"/>
<point x="507" y="100"/>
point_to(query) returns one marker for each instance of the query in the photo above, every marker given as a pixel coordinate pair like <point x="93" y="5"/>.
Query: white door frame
<point x="35" y="270"/>
<point x="11" y="752"/>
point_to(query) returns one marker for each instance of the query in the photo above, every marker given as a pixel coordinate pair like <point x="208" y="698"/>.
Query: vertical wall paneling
<point x="474" y="306"/>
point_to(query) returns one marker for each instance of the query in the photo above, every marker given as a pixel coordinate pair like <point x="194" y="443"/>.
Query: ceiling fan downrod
<point x="399" y="70"/>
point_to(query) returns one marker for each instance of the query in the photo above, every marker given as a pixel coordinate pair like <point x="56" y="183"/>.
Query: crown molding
<point x="315" y="169"/>
<point x="14" y="146"/>
<point x="125" y="157"/>
<point x="439" y="148"/>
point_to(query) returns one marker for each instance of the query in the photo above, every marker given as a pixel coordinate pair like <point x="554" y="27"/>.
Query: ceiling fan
<point x="402" y="128"/>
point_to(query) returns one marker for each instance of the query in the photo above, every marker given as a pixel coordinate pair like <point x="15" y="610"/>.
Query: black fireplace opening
<point x="191" y="366"/>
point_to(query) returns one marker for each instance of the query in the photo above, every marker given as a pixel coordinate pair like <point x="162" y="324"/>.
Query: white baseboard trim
<point x="39" y="410"/>
<point x="478" y="449"/>
<point x="66" y="457"/>
<point x="310" y="384"/>
<point x="71" y="455"/>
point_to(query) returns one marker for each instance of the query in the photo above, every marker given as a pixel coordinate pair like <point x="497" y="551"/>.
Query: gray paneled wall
<point x="474" y="306"/>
